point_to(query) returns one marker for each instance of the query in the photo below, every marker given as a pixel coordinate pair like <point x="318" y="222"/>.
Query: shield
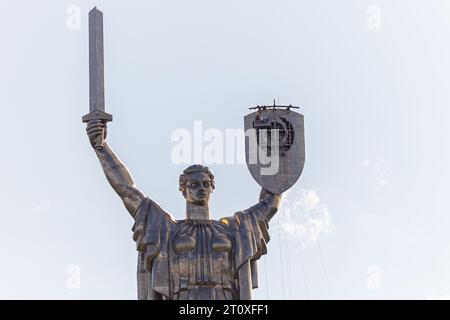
<point x="275" y="147"/>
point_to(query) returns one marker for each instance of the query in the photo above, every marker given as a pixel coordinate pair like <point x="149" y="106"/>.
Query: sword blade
<point x="96" y="66"/>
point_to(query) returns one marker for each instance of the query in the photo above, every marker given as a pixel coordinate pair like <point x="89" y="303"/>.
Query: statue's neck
<point x="197" y="212"/>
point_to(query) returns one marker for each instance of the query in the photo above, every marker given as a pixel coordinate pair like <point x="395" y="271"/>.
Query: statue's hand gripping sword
<point x="96" y="74"/>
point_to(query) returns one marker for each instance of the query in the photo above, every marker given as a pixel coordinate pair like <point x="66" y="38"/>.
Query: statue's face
<point x="198" y="188"/>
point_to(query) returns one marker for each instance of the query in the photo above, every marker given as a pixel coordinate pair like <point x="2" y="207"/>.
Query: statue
<point x="197" y="258"/>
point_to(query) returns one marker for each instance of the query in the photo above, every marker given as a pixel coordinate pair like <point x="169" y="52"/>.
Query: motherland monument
<point x="199" y="258"/>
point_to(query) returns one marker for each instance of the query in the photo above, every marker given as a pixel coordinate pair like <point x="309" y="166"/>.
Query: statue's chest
<point x="202" y="253"/>
<point x="202" y="239"/>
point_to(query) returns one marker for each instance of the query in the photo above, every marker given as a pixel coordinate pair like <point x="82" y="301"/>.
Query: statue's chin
<point x="198" y="202"/>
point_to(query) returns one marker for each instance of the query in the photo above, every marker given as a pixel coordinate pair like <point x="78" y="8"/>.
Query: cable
<point x="324" y="270"/>
<point x="302" y="266"/>
<point x="267" y="282"/>
<point x="322" y="259"/>
<point x="281" y="256"/>
<point x="288" y="264"/>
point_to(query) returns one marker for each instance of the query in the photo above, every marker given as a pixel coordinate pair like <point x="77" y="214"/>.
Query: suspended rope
<point x="281" y="256"/>
<point x="324" y="269"/>
<point x="288" y="264"/>
<point x="302" y="264"/>
<point x="265" y="277"/>
<point x="302" y="267"/>
<point x="322" y="260"/>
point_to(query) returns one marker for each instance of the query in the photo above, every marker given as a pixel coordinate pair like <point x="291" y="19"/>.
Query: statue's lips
<point x="201" y="195"/>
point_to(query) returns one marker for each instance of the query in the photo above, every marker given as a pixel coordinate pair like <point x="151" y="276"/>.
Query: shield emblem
<point x="275" y="147"/>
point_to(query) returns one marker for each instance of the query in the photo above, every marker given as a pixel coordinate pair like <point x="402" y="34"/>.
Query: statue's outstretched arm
<point x="267" y="205"/>
<point x="115" y="171"/>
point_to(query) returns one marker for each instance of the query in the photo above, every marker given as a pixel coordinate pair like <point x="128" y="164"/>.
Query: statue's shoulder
<point x="150" y="208"/>
<point x="234" y="220"/>
<point x="226" y="220"/>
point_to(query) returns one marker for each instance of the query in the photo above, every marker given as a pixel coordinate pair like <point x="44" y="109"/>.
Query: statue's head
<point x="197" y="184"/>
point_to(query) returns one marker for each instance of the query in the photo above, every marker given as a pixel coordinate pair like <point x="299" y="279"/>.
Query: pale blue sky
<point x="375" y="105"/>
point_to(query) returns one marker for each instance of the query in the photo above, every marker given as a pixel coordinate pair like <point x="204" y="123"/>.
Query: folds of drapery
<point x="152" y="230"/>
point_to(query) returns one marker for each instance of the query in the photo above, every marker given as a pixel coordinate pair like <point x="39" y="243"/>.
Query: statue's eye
<point x="206" y="184"/>
<point x="193" y="184"/>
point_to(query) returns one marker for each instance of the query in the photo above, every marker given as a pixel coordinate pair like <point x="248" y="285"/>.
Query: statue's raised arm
<point x="115" y="171"/>
<point x="250" y="233"/>
<point x="268" y="204"/>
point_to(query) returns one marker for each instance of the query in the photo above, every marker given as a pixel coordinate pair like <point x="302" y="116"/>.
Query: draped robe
<point x="200" y="259"/>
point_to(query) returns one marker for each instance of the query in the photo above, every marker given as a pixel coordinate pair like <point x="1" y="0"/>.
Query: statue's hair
<point x="184" y="177"/>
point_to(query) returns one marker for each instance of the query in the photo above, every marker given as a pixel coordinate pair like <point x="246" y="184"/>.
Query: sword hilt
<point x="98" y="115"/>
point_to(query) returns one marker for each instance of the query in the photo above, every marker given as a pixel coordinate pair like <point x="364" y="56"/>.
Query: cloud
<point x="40" y="207"/>
<point x="302" y="216"/>
<point x="378" y="171"/>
